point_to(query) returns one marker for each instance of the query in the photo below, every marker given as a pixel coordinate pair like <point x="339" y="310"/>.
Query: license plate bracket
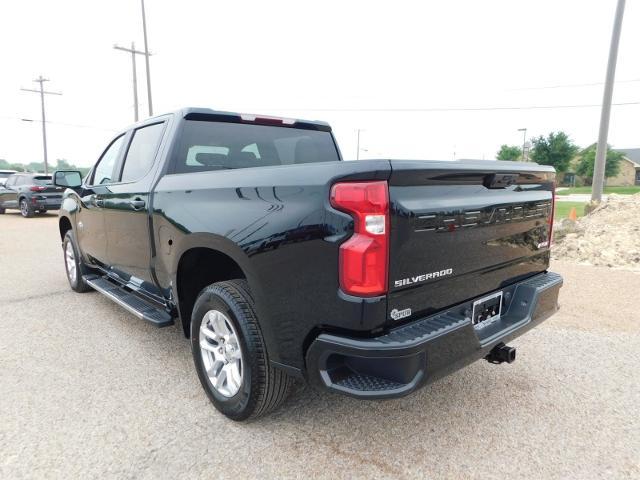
<point x="487" y="310"/>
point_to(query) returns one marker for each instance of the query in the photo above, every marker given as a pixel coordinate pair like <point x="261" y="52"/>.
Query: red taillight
<point x="553" y="212"/>
<point x="364" y="257"/>
<point x="37" y="188"/>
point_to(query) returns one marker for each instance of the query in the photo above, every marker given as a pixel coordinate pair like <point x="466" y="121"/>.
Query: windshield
<point x="219" y="145"/>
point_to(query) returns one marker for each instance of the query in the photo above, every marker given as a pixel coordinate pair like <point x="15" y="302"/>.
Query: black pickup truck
<point x="280" y="261"/>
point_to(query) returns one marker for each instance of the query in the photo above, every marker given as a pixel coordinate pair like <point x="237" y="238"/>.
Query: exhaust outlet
<point x="501" y="353"/>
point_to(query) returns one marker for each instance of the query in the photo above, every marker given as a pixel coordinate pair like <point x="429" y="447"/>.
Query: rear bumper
<point x="46" y="204"/>
<point x="410" y="356"/>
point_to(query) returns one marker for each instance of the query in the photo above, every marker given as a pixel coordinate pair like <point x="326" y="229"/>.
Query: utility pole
<point x="133" y="53"/>
<point x="524" y="143"/>
<point x="358" y="147"/>
<point x="605" y="115"/>
<point x="42" y="93"/>
<point x="146" y="59"/>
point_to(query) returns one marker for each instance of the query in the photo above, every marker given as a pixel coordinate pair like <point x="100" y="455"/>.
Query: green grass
<point x="563" y="209"/>
<point x="618" y="190"/>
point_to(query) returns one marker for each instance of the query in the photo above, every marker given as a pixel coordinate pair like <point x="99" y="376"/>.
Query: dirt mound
<point x="608" y="236"/>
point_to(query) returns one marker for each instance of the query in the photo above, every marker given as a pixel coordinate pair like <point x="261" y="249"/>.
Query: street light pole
<point x="42" y="93"/>
<point x="605" y="115"/>
<point x="146" y="59"/>
<point x="524" y="142"/>
<point x="358" y="147"/>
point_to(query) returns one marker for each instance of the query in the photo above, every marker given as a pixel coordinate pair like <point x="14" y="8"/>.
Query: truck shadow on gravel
<point x="472" y="395"/>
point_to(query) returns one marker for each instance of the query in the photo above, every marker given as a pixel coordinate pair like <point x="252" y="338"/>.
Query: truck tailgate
<point x="461" y="229"/>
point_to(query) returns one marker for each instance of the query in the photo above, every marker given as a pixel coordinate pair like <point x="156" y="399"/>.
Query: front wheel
<point x="26" y="209"/>
<point x="230" y="355"/>
<point x="73" y="264"/>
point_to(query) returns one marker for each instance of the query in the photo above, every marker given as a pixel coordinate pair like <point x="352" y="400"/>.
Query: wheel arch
<point x="64" y="225"/>
<point x="205" y="259"/>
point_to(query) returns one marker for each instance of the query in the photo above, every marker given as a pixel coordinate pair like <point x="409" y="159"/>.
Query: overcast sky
<point x="349" y="63"/>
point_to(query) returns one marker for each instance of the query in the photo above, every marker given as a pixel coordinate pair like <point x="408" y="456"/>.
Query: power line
<point x="571" y="85"/>
<point x="449" y="109"/>
<point x="75" y="125"/>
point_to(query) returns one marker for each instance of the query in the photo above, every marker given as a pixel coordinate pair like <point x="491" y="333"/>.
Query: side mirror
<point x="67" y="178"/>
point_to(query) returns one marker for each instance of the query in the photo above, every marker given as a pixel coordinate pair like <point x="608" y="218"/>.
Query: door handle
<point x="137" y="203"/>
<point x="98" y="202"/>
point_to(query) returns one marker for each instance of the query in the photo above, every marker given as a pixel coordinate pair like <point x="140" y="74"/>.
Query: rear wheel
<point x="26" y="209"/>
<point x="2" y="210"/>
<point x="230" y="355"/>
<point x="73" y="264"/>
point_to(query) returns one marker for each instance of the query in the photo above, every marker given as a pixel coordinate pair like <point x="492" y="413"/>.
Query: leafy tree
<point x="4" y="165"/>
<point x="35" y="166"/>
<point x="62" y="164"/>
<point x="509" y="152"/>
<point x="587" y="162"/>
<point x="556" y="150"/>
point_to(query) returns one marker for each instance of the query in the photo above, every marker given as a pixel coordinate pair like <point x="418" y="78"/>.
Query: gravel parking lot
<point x="89" y="391"/>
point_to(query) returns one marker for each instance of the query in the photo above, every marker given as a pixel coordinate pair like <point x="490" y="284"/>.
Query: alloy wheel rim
<point x="70" y="260"/>
<point x="23" y="208"/>
<point x="221" y="353"/>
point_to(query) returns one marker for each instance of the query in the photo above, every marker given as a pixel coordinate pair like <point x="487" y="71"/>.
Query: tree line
<point x="61" y="164"/>
<point x="557" y="150"/>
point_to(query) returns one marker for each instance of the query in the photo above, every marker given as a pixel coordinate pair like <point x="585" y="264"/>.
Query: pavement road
<point x="89" y="391"/>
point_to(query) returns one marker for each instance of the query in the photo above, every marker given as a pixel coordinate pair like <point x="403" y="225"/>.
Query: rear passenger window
<point x="206" y="146"/>
<point x="142" y="152"/>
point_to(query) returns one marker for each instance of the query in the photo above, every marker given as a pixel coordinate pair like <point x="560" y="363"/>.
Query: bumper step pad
<point x="367" y="383"/>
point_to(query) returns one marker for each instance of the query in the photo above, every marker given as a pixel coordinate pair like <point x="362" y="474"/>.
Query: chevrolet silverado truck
<point x="280" y="261"/>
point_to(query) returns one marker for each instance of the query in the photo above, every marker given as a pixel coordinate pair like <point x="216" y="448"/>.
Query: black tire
<point x="77" y="284"/>
<point x="263" y="388"/>
<point x="2" y="210"/>
<point x="26" y="209"/>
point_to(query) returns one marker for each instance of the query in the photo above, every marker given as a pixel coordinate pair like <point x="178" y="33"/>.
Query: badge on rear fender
<point x="398" y="314"/>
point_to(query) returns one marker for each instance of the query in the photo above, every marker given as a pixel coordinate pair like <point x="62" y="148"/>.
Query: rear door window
<point x="142" y="152"/>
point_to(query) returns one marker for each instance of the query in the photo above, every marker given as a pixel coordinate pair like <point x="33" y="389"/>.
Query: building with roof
<point x="629" y="169"/>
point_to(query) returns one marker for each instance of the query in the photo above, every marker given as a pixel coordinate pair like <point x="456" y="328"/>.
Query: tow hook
<point x="501" y="353"/>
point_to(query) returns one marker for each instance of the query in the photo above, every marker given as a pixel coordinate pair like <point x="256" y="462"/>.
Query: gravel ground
<point x="89" y="391"/>
<point x="608" y="236"/>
